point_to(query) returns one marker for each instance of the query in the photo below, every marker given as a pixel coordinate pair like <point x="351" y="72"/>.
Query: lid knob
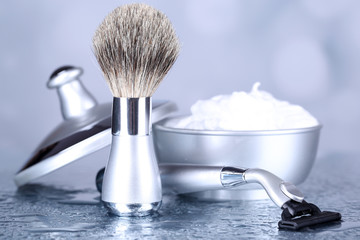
<point x="75" y="99"/>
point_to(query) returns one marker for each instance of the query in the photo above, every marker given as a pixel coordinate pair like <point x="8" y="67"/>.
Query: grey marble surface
<point x="48" y="209"/>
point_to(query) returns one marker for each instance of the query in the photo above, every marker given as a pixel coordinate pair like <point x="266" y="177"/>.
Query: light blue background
<point x="306" y="52"/>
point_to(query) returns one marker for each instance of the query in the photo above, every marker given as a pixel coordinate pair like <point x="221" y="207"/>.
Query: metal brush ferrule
<point x="131" y="116"/>
<point x="132" y="185"/>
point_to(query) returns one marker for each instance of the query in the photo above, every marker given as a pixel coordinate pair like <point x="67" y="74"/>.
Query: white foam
<point x="257" y="110"/>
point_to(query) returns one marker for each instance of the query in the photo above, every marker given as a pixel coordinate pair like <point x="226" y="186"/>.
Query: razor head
<point x="299" y="215"/>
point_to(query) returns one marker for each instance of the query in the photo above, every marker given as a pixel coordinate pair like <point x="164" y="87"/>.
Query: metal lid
<point x="86" y="127"/>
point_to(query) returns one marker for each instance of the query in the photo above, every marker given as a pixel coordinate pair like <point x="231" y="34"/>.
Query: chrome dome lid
<point x="86" y="127"/>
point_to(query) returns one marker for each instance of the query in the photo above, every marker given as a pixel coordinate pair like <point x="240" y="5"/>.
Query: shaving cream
<point x="241" y="111"/>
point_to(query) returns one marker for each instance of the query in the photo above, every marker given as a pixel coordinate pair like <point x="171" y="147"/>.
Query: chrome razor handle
<point x="182" y="179"/>
<point x="131" y="185"/>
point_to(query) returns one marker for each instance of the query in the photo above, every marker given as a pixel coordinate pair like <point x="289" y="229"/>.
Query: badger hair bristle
<point x="135" y="47"/>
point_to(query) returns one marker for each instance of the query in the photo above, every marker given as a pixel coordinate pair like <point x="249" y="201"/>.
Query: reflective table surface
<point x="65" y="205"/>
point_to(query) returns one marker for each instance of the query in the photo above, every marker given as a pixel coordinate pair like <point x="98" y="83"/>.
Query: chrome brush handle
<point x="132" y="185"/>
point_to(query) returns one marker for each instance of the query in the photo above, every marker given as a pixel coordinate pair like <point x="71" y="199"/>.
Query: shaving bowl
<point x="288" y="153"/>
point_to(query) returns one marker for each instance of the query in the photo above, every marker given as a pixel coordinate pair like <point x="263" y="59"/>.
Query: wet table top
<point x="70" y="209"/>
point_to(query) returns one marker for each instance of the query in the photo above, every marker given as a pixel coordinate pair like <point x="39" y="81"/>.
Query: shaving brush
<point x="135" y="47"/>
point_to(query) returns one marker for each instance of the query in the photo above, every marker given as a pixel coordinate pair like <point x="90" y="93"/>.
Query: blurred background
<point x="306" y="52"/>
